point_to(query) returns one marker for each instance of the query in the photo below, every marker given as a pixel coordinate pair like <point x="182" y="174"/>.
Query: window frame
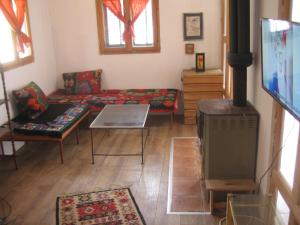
<point x="18" y="62"/>
<point x="278" y="183"/>
<point x="225" y="47"/>
<point x="128" y="48"/>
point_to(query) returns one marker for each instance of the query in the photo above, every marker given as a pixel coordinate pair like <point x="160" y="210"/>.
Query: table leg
<point x="92" y="141"/>
<point x="142" y="145"/>
<point x="61" y="152"/>
<point x="211" y="201"/>
<point x="172" y="118"/>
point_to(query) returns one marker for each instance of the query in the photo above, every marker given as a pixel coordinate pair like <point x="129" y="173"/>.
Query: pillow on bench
<point x="31" y="100"/>
<point x="86" y="82"/>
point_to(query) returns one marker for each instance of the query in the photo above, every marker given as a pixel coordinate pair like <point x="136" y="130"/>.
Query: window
<point x="10" y="57"/>
<point x="295" y="13"/>
<point x="289" y="147"/>
<point x="283" y="173"/>
<point x="123" y="31"/>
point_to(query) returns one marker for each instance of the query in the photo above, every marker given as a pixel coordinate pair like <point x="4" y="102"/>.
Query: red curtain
<point x="16" y="20"/>
<point x="136" y="8"/>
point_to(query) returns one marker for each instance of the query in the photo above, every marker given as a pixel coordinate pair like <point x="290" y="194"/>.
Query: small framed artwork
<point x="189" y="49"/>
<point x="200" y="62"/>
<point x="192" y="26"/>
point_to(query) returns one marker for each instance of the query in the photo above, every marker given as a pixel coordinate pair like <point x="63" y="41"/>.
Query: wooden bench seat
<point x="227" y="185"/>
<point x="44" y="138"/>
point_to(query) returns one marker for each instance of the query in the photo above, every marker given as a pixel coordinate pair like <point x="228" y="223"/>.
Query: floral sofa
<point x="85" y="88"/>
<point x="53" y="118"/>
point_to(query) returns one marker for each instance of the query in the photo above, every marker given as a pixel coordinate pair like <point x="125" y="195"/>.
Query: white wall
<point x="262" y="101"/>
<point x="76" y="44"/>
<point x="43" y="69"/>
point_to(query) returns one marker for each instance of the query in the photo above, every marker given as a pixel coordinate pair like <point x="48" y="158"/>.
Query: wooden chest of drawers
<point x="197" y="86"/>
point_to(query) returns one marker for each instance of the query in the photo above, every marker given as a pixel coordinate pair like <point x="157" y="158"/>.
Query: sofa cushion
<point x="86" y="82"/>
<point x="31" y="100"/>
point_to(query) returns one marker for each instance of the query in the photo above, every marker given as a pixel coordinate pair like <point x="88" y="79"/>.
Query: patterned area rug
<point x="112" y="207"/>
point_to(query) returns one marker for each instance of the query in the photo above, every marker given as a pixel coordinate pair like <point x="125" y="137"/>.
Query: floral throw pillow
<point x="31" y="100"/>
<point x="86" y="82"/>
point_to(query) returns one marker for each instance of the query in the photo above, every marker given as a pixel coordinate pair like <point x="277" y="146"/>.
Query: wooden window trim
<point x="225" y="40"/>
<point x="18" y="62"/>
<point x="128" y="49"/>
<point x="278" y="182"/>
<point x="290" y="195"/>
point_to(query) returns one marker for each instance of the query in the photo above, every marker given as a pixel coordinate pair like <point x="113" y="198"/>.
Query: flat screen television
<point x="280" y="45"/>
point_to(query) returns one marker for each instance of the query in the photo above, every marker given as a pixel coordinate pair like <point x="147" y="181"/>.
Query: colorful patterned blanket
<point x="53" y="122"/>
<point x="160" y="100"/>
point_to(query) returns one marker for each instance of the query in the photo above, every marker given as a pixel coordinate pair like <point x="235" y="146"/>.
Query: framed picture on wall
<point x="192" y="26"/>
<point x="200" y="62"/>
<point x="189" y="49"/>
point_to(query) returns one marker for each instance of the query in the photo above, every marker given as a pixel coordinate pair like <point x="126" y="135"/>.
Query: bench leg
<point x="61" y="152"/>
<point x="172" y="118"/>
<point x="2" y="149"/>
<point x="211" y="201"/>
<point x="77" y="135"/>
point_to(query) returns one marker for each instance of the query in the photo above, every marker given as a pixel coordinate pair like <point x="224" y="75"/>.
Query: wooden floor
<point x="32" y="190"/>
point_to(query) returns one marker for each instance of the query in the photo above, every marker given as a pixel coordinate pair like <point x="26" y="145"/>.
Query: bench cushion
<point x="160" y="100"/>
<point x="53" y="122"/>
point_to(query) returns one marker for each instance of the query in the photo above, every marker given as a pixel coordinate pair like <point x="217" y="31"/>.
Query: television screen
<point x="281" y="62"/>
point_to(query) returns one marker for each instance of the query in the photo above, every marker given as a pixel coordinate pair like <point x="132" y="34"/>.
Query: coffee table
<point x="128" y="116"/>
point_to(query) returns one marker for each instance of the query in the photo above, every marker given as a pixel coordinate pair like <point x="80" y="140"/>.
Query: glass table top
<point x="122" y="116"/>
<point x="254" y="210"/>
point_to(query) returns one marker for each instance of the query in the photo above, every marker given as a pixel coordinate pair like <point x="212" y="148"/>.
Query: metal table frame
<point x="107" y="128"/>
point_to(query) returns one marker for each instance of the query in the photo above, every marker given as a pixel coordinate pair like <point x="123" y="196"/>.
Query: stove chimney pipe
<point x="239" y="57"/>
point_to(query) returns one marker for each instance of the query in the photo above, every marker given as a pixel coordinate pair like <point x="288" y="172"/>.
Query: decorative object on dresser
<point x="197" y="86"/>
<point x="189" y="48"/>
<point x="200" y="62"/>
<point x="192" y="26"/>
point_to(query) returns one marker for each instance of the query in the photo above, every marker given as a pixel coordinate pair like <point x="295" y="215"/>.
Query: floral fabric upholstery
<point x="31" y="100"/>
<point x="52" y="122"/>
<point x="160" y="100"/>
<point x="87" y="82"/>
